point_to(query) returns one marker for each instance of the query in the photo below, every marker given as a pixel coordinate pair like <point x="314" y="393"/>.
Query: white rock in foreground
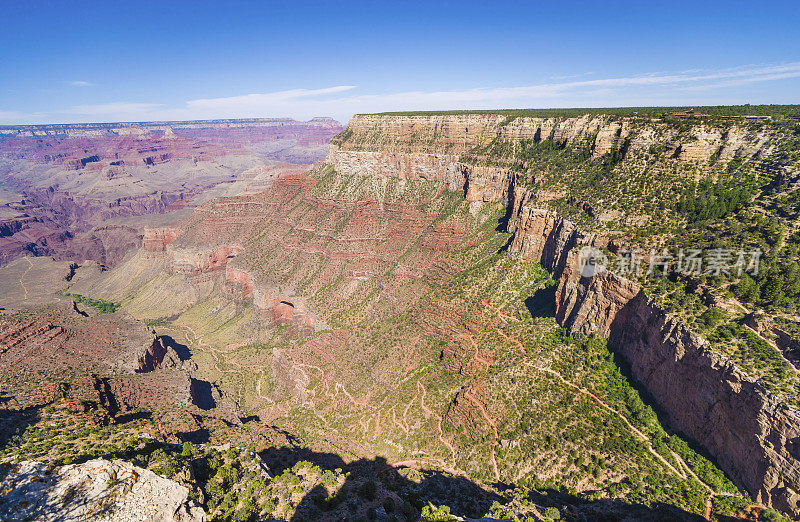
<point x="98" y="490"/>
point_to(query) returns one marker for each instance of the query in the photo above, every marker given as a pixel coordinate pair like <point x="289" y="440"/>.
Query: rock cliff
<point x="751" y="434"/>
<point x="394" y="138"/>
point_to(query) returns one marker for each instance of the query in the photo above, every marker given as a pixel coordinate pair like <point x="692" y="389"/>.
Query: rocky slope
<point x="382" y="317"/>
<point x="751" y="434"/>
<point x="108" y="364"/>
<point x="98" y="490"/>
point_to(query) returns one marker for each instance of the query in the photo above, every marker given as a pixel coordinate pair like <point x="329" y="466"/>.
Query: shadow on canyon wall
<point x="542" y="303"/>
<point x="181" y="349"/>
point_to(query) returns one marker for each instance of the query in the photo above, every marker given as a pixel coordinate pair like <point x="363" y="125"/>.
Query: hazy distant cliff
<point x="64" y="182"/>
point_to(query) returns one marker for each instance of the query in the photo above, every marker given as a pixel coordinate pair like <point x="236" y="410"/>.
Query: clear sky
<point x="65" y="61"/>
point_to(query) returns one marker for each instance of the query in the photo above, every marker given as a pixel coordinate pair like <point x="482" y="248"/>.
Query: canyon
<point x="752" y="434"/>
<point x="78" y="191"/>
<point x="418" y="296"/>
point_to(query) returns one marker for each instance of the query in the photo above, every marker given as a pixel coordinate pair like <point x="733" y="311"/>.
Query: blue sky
<point x="132" y="61"/>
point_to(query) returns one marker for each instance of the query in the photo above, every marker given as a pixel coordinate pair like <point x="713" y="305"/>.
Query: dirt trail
<point x="478" y="404"/>
<point x="498" y="311"/>
<point x="608" y="408"/>
<point x="605" y="406"/>
<point x="685" y="472"/>
<point x="405" y="413"/>
<point x="397" y="422"/>
<point x="21" y="283"/>
<point x="429" y="413"/>
<point x="494" y="466"/>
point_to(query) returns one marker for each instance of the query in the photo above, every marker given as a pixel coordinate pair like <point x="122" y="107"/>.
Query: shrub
<point x="268" y="506"/>
<point x="712" y="317"/>
<point x="368" y="490"/>
<point x="431" y="513"/>
<point x="770" y="515"/>
<point x="188" y="449"/>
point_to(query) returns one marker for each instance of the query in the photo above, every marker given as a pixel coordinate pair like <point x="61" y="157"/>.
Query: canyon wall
<point x="752" y="435"/>
<point x="452" y="134"/>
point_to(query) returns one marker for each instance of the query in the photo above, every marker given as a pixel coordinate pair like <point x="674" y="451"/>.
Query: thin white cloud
<point x="80" y="83"/>
<point x="267" y="100"/>
<point x="341" y="101"/>
<point x="602" y="92"/>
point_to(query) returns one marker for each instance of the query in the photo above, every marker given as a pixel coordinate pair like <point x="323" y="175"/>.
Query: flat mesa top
<point x="696" y="111"/>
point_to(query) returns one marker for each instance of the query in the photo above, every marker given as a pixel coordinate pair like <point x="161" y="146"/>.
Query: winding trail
<point x="478" y="404"/>
<point x="602" y="403"/>
<point x="685" y="472"/>
<point x="429" y="413"/>
<point x="608" y="408"/>
<point x="21" y="283"/>
<point x="494" y="466"/>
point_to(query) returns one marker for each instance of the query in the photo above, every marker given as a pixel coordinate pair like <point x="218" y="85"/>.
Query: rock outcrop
<point x="157" y="239"/>
<point x="98" y="490"/>
<point x="158" y="355"/>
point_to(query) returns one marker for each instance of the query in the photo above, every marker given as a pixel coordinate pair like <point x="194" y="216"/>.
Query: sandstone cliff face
<point x="480" y="183"/>
<point x="394" y="137"/>
<point x="752" y="435"/>
<point x="431" y="147"/>
<point x="431" y="167"/>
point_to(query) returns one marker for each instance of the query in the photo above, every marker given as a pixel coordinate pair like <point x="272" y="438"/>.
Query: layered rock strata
<point x="752" y="435"/>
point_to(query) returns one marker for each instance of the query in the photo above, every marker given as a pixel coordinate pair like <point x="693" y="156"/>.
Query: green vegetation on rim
<point x="713" y="110"/>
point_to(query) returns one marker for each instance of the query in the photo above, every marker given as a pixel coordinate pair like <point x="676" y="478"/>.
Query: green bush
<point x="431" y="513"/>
<point x="770" y="515"/>
<point x="712" y="317"/>
<point x="188" y="449"/>
<point x="102" y="306"/>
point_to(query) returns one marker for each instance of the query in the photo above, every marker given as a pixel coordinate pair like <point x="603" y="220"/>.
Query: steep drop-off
<point x="753" y="436"/>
